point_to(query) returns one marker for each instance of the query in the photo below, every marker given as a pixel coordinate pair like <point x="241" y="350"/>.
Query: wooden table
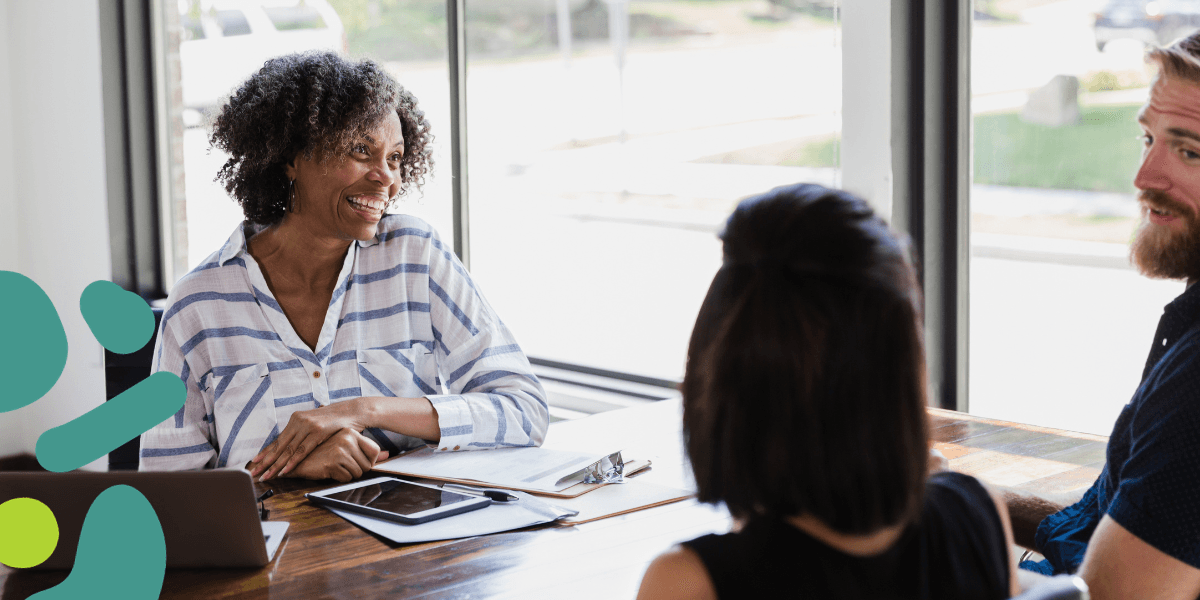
<point x="1022" y="457"/>
<point x="327" y="557"/>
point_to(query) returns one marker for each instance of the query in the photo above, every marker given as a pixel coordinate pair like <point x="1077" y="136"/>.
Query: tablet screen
<point x="400" y="497"/>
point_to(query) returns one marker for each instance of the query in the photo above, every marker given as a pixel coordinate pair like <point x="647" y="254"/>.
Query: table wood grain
<point x="327" y="557"/>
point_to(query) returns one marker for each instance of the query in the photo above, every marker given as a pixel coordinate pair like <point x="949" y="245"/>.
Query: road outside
<point x="597" y="251"/>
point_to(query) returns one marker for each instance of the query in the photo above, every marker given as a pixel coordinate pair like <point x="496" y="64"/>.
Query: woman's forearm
<point x="415" y="417"/>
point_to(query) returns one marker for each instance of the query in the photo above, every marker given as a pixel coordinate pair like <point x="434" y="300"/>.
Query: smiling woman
<point x="325" y="335"/>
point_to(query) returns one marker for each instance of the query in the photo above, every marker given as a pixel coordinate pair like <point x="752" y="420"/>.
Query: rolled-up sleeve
<point x="184" y="440"/>
<point x="495" y="400"/>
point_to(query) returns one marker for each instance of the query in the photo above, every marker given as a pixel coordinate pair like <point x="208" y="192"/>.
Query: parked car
<point x="224" y="41"/>
<point x="1151" y="21"/>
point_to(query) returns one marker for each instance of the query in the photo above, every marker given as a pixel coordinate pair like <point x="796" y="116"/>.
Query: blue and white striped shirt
<point x="405" y="321"/>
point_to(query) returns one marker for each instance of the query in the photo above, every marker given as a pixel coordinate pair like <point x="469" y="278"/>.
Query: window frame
<point x="931" y="128"/>
<point x="130" y="82"/>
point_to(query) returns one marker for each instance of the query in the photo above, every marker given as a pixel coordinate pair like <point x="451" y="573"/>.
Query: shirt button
<point x="457" y="447"/>
<point x="1164" y="341"/>
<point x="443" y="449"/>
<point x="316" y="374"/>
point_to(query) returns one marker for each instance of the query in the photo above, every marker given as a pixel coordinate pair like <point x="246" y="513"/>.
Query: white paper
<point x="273" y="532"/>
<point x="526" y="468"/>
<point x="499" y="516"/>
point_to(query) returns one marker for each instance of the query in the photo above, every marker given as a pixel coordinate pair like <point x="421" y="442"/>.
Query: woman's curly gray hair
<point x="316" y="104"/>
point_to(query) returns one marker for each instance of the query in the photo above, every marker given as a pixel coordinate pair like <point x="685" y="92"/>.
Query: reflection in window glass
<point x="210" y="66"/>
<point x="1060" y="324"/>
<point x="190" y="27"/>
<point x="286" y="18"/>
<point x="609" y="139"/>
<point x="233" y="22"/>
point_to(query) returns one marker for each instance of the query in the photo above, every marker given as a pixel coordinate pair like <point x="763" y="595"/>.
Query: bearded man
<point x="1136" y="532"/>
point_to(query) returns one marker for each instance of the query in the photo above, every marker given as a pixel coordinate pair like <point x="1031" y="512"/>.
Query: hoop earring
<point x="290" y="204"/>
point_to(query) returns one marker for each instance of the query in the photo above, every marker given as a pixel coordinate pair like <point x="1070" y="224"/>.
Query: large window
<point x="1060" y="324"/>
<point x="607" y="142"/>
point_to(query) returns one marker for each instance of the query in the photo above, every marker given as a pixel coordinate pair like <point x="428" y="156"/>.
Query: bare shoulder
<point x="677" y="574"/>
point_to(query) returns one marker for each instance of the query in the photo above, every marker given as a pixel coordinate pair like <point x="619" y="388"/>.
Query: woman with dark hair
<point x="804" y="413"/>
<point x="326" y="334"/>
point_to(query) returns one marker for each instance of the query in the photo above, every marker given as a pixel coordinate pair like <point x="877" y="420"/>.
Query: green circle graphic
<point x="30" y="533"/>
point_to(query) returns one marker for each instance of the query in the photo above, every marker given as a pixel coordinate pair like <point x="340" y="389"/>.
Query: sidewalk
<point x="614" y="198"/>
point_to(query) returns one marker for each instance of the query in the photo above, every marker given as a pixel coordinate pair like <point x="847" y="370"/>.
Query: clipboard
<point x="574" y="491"/>
<point x="618" y="499"/>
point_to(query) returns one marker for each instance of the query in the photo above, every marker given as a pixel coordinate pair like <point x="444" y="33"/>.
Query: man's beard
<point x="1160" y="253"/>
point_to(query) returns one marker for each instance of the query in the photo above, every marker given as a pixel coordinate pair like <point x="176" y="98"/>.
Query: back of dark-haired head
<point x="805" y="389"/>
<point x="318" y="104"/>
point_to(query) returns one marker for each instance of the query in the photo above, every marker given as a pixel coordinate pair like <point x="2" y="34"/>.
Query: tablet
<point x="397" y="500"/>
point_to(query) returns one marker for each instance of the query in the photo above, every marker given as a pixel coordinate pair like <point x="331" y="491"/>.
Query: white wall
<point x="8" y="206"/>
<point x="11" y="428"/>
<point x="53" y="203"/>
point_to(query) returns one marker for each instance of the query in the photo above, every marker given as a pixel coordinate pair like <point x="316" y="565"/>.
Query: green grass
<point x="1101" y="153"/>
<point x="818" y="153"/>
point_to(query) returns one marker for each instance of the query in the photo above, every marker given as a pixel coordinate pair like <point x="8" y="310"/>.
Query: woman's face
<point x="345" y="198"/>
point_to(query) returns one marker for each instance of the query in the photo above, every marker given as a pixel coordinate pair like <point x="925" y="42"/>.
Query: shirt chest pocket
<point x="243" y="413"/>
<point x="404" y="373"/>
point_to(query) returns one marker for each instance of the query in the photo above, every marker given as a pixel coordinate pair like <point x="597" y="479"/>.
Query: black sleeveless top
<point x="956" y="550"/>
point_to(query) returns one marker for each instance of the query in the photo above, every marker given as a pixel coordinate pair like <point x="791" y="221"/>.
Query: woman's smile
<point x="368" y="206"/>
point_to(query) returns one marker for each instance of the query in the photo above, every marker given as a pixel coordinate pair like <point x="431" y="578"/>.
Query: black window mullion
<point x="120" y="211"/>
<point x="931" y="121"/>
<point x="130" y="146"/>
<point x="457" y="47"/>
<point x="143" y="157"/>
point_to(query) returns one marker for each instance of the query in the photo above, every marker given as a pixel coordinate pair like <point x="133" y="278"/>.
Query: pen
<point x="497" y="495"/>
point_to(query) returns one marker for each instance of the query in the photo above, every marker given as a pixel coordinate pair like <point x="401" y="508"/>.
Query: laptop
<point x="209" y="518"/>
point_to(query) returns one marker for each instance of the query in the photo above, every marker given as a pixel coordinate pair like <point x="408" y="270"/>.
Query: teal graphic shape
<point x="122" y="553"/>
<point x="104" y="428"/>
<point x="34" y="350"/>
<point x="121" y="321"/>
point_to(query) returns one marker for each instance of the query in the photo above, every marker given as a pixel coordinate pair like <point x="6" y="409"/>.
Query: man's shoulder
<point x="1181" y="362"/>
<point x="1164" y="411"/>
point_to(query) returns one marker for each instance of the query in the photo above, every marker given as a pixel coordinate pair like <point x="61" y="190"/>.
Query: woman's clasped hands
<point x="322" y="443"/>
